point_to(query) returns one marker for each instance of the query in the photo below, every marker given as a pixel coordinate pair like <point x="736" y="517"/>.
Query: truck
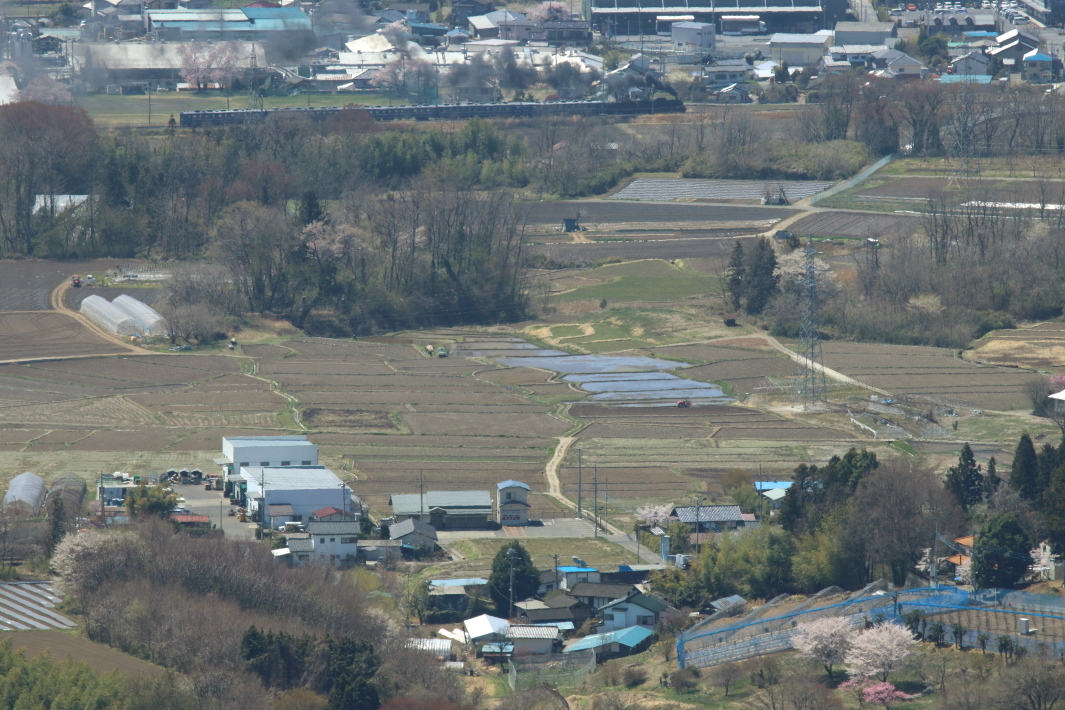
<point x="740" y="25"/>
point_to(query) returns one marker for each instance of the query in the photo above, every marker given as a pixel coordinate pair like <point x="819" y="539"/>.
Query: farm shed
<point x="532" y="639"/>
<point x="25" y="494"/>
<point x="70" y="489"/>
<point x="623" y="642"/>
<point x="147" y="317"/>
<point x="306" y="489"/>
<point x="712" y="518"/>
<point x="272" y="451"/>
<point x="108" y="317"/>
<point x="452" y="510"/>
<point x="415" y="534"/>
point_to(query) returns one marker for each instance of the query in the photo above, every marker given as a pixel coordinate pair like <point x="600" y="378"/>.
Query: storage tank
<point x="108" y="317"/>
<point x="147" y="317"/>
<point x="25" y="494"/>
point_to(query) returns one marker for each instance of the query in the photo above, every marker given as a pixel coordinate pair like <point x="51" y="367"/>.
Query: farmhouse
<point x="532" y="639"/>
<point x="634" y="609"/>
<point x="414" y="534"/>
<point x="445" y="510"/>
<point x="597" y="596"/>
<point x="512" y="503"/>
<point x="711" y="518"/>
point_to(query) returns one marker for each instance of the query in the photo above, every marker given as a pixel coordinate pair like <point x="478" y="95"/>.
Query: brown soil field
<point x="710" y="353"/>
<point x="916" y="187"/>
<point x="782" y="432"/>
<point x="95" y="412"/>
<point x="602" y="412"/>
<point x="61" y="645"/>
<point x="14" y="436"/>
<point x="266" y="352"/>
<point x="503" y="424"/>
<point x="334" y="368"/>
<point x="146" y="439"/>
<point x="741" y="369"/>
<point x="854" y="224"/>
<point x="27" y="285"/>
<point x="624" y="482"/>
<point x="210" y="439"/>
<point x="346" y="419"/>
<point x="517" y="376"/>
<point x="44" y="335"/>
<point x="400" y="397"/>
<point x="647" y="431"/>
<point x="443" y="442"/>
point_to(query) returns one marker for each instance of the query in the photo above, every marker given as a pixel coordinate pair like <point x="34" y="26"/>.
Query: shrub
<point x="686" y="680"/>
<point x="634" y="675"/>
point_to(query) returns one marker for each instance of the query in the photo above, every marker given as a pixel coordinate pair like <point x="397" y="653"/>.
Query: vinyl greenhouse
<point x="109" y="317"/>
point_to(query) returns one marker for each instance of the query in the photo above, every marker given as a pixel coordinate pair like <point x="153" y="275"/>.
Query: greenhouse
<point x="25" y="494"/>
<point x="108" y="317"/>
<point x="147" y="317"/>
<point x="68" y="488"/>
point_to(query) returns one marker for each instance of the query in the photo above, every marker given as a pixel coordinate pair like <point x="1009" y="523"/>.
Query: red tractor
<point x="684" y="404"/>
<point x="75" y="281"/>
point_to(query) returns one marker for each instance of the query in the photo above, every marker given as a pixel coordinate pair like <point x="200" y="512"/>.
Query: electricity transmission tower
<point x="809" y="371"/>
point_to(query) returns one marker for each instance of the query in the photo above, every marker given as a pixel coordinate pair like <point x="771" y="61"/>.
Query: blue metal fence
<point x="755" y="635"/>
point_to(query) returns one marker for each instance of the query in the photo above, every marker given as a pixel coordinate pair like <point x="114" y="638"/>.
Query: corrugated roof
<point x="437" y="647"/>
<point x="485" y="625"/>
<point x="606" y="591"/>
<point x="297" y="478"/>
<point x="511" y="483"/>
<point x="728" y="602"/>
<point x="631" y="637"/>
<point x="570" y="569"/>
<point x="788" y="38"/>
<point x="454" y="502"/>
<point x="190" y="519"/>
<point x="466" y="582"/>
<point x="528" y="631"/>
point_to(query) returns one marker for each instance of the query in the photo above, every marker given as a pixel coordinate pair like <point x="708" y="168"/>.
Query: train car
<point x="442" y="112"/>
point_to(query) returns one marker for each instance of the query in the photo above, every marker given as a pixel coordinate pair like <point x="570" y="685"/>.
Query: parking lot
<point x="215" y="507"/>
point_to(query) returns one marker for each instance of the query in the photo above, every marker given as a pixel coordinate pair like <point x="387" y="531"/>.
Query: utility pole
<point x="510" y="556"/>
<point x="421" y="496"/>
<point x="595" y="499"/>
<point x="606" y="501"/>
<point x="556" y="570"/>
<point x="579" y="483"/>
<point x="935" y="558"/>
<point x="698" y="527"/>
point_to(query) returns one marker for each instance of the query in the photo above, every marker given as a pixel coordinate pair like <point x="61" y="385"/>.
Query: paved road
<point x="215" y="507"/>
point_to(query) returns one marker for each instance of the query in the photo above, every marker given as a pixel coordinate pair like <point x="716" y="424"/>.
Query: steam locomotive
<point x="444" y="112"/>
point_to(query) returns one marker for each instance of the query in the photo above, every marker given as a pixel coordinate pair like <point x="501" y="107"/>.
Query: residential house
<point x="857" y="55"/>
<point x="532" y="640"/>
<point x="414" y="534"/>
<point x="729" y="71"/>
<point x="413" y="11"/>
<point x="329" y="514"/>
<point x="775" y="496"/>
<point x="1028" y="39"/>
<point x="733" y="94"/>
<point x="569" y="32"/>
<point x="462" y="10"/>
<point x="305" y="489"/>
<point x="864" y="32"/>
<point x="893" y="64"/>
<point x="380" y="551"/>
<point x="550" y="580"/>
<point x="578" y="609"/>
<point x="630" y="574"/>
<point x="335" y="543"/>
<point x="572" y="575"/>
<point x="599" y="595"/>
<point x="300" y="547"/>
<point x="623" y="642"/>
<point x="711" y="518"/>
<point x="445" y="510"/>
<point x="502" y="24"/>
<point x="799" y="50"/>
<point x="1038" y="67"/>
<point x="512" y="503"/>
<point x="971" y="64"/>
<point x="561" y="618"/>
<point x="455" y="594"/>
<point x="634" y="609"/>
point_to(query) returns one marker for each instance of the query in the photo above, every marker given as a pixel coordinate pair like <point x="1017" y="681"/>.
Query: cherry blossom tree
<point x="651" y="515"/>
<point x="885" y="694"/>
<point x="550" y="11"/>
<point x="826" y="640"/>
<point x="879" y="651"/>
<point x="204" y="63"/>
<point x="46" y="90"/>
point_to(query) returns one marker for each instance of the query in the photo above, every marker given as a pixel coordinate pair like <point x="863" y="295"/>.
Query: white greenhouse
<point x="25" y="494"/>
<point x="107" y="316"/>
<point x="147" y="317"/>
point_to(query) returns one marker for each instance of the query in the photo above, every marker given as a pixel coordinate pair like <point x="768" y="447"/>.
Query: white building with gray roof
<point x="445" y="510"/>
